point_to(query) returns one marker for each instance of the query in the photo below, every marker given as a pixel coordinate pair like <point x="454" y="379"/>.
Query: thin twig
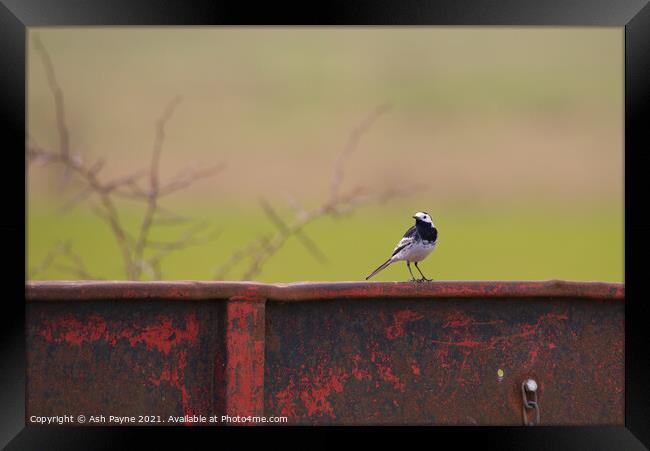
<point x="152" y="201"/>
<point x="82" y="195"/>
<point x="351" y="145"/>
<point x="62" y="128"/>
<point x="238" y="255"/>
<point x="62" y="250"/>
<point x="47" y="261"/>
<point x="164" y="216"/>
<point x="188" y="239"/>
<point x="298" y="232"/>
<point x="185" y="180"/>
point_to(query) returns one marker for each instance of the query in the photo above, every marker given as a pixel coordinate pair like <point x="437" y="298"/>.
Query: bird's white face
<point x="424" y="217"/>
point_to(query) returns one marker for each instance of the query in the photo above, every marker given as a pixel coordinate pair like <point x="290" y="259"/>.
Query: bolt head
<point x="531" y="385"/>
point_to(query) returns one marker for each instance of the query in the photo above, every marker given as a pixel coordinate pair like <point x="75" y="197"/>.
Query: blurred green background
<point x="515" y="136"/>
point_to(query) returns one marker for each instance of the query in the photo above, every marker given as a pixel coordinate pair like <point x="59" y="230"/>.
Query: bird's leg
<point x="408" y="265"/>
<point x="423" y="276"/>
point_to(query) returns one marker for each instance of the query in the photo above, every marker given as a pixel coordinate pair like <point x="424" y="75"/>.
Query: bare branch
<point x="165" y="216"/>
<point x="110" y="211"/>
<point x="64" y="250"/>
<point x="189" y="239"/>
<point x="78" y="267"/>
<point x="266" y="251"/>
<point x="295" y="205"/>
<point x="238" y="256"/>
<point x="351" y="145"/>
<point x="41" y="157"/>
<point x="75" y="200"/>
<point x="158" y="141"/>
<point x="128" y="180"/>
<point x="62" y="128"/>
<point x="153" y="178"/>
<point x="297" y="231"/>
<point x="98" y="166"/>
<point x="47" y="261"/>
<point x="182" y="181"/>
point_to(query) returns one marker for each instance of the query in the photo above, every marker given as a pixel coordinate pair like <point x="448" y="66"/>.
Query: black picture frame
<point x="634" y="15"/>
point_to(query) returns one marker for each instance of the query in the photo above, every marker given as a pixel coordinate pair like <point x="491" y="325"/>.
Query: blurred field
<point x="515" y="134"/>
<point x="523" y="243"/>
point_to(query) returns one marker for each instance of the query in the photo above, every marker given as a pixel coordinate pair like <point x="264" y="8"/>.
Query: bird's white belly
<point x="416" y="253"/>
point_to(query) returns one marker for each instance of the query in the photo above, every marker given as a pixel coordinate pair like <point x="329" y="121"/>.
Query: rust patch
<point x="435" y="362"/>
<point x="161" y="335"/>
<point x="136" y="359"/>
<point x="245" y="357"/>
<point x="396" y="330"/>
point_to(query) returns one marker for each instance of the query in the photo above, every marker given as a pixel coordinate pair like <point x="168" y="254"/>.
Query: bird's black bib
<point x="426" y="231"/>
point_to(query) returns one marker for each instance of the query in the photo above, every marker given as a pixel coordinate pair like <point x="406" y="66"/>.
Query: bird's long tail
<point x="381" y="268"/>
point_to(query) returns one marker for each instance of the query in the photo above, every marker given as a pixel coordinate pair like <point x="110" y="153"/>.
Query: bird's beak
<point x="415" y="217"/>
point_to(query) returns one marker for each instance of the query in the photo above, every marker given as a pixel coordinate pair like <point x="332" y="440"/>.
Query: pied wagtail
<point x="416" y="244"/>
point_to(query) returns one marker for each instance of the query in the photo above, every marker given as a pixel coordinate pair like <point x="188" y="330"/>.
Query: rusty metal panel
<point x="114" y="358"/>
<point x="328" y="353"/>
<point x="437" y="362"/>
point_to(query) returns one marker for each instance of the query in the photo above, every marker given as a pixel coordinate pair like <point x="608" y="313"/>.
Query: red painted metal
<point x="317" y="291"/>
<point x="245" y="354"/>
<point x="120" y="359"/>
<point x="359" y="353"/>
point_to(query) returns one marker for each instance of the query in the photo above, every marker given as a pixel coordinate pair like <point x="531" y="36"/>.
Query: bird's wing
<point x="407" y="239"/>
